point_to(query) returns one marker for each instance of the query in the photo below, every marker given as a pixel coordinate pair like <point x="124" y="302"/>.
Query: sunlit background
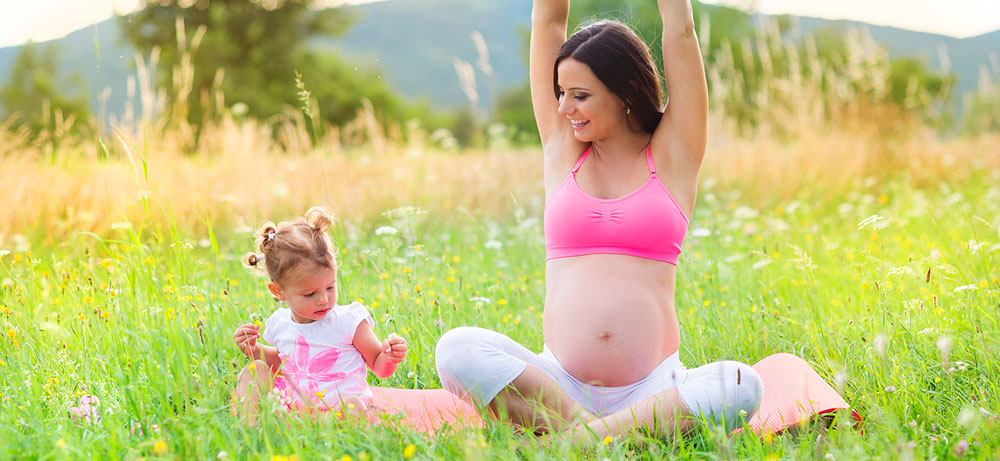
<point x="848" y="212"/>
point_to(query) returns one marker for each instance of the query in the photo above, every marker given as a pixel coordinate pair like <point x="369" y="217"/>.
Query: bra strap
<point x="583" y="157"/>
<point x="649" y="160"/>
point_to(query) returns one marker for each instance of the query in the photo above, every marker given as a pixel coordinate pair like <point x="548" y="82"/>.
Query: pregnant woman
<point x="621" y="174"/>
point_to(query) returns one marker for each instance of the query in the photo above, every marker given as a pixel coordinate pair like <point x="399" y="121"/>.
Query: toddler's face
<point x="310" y="294"/>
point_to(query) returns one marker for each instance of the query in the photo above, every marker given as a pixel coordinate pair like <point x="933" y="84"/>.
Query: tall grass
<point x="873" y="257"/>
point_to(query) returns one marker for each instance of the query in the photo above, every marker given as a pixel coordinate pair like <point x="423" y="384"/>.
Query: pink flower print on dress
<point x="299" y="367"/>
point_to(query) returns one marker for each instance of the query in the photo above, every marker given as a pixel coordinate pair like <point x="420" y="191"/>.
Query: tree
<point x="255" y="46"/>
<point x="39" y="100"/>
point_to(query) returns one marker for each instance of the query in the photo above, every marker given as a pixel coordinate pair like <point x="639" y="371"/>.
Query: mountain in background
<point x="415" y="44"/>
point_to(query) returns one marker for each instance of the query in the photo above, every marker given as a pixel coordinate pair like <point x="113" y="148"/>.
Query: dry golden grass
<point x="241" y="175"/>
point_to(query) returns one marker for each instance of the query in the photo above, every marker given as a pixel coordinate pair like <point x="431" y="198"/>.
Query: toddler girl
<point x="319" y="349"/>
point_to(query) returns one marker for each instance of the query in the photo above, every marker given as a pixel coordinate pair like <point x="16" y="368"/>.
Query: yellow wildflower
<point x="608" y="440"/>
<point x="11" y="333"/>
<point x="160" y="447"/>
<point x="409" y="451"/>
<point x="61" y="443"/>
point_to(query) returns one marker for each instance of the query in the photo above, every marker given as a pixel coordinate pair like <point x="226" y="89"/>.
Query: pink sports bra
<point x="647" y="222"/>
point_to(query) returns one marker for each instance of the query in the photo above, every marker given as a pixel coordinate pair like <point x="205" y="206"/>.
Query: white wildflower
<point x="121" y="225"/>
<point x="745" y="212"/>
<point x="493" y="245"/>
<point x="899" y="271"/>
<point x="879" y="344"/>
<point x="875" y="221"/>
<point x="480" y="299"/>
<point x="386" y="230"/>
<point x="760" y="264"/>
<point x="735" y="257"/>
<point x="4" y="253"/>
<point x="845" y="208"/>
<point x="701" y="232"/>
<point x="21" y="243"/>
<point x="944" y="347"/>
<point x="777" y="225"/>
<point x="965" y="287"/>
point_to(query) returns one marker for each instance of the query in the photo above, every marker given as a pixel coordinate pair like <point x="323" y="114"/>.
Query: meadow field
<point x="875" y="259"/>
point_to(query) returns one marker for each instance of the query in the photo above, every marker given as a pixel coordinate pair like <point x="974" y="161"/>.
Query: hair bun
<point x="266" y="235"/>
<point x="319" y="218"/>
<point x="252" y="259"/>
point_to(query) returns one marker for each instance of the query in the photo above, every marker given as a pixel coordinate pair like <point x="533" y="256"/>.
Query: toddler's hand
<point x="246" y="339"/>
<point x="394" y="348"/>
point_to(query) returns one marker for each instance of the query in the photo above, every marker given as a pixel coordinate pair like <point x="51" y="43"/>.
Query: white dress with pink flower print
<point x="319" y="361"/>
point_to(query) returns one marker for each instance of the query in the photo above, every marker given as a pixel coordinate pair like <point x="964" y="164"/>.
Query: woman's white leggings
<point x="476" y="364"/>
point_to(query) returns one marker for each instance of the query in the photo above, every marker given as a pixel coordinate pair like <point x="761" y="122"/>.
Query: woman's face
<point x="594" y="111"/>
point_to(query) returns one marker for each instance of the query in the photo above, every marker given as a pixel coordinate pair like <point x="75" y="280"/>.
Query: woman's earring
<point x="628" y="111"/>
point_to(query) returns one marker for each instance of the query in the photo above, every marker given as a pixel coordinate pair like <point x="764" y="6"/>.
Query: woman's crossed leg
<point x="534" y="392"/>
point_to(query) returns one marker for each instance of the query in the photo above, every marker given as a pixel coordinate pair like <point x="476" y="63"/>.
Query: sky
<point x="957" y="18"/>
<point x="42" y="20"/>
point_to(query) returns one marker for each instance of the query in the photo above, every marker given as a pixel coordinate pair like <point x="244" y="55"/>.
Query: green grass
<point x="146" y="326"/>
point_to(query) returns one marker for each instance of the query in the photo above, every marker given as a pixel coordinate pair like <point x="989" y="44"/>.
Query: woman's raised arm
<point x="685" y="119"/>
<point x="548" y="33"/>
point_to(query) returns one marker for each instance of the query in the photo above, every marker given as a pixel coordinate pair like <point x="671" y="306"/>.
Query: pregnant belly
<point x="611" y="332"/>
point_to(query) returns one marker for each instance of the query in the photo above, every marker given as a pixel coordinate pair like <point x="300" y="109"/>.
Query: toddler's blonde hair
<point x="290" y="243"/>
